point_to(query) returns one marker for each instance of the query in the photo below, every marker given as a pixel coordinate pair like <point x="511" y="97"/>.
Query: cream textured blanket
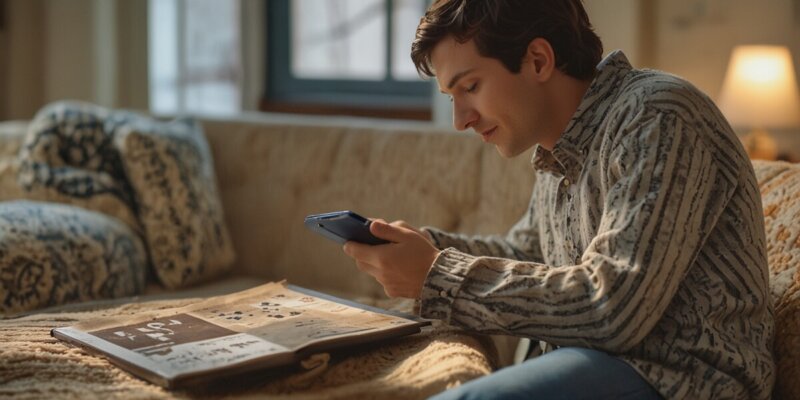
<point x="35" y="365"/>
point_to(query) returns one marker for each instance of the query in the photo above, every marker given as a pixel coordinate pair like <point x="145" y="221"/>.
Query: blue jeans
<point x="567" y="373"/>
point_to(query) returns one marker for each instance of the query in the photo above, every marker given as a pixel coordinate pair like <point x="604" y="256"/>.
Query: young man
<point x="642" y="256"/>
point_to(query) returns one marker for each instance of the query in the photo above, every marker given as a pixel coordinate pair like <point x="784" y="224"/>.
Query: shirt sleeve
<point x="521" y="242"/>
<point x="665" y="193"/>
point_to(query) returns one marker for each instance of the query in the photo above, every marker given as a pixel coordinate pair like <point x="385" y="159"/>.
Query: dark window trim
<point x="386" y="98"/>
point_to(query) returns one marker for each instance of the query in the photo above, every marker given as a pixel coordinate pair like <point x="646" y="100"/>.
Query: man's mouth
<point x="487" y="134"/>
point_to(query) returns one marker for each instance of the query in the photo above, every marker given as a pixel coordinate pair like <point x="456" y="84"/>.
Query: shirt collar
<point x="570" y="151"/>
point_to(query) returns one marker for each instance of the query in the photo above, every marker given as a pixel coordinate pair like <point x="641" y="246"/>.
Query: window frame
<point x="287" y="93"/>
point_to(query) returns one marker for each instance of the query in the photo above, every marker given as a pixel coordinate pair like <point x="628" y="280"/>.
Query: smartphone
<point x="343" y="226"/>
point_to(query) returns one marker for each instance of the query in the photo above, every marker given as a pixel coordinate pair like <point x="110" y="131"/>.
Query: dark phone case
<point x="341" y="226"/>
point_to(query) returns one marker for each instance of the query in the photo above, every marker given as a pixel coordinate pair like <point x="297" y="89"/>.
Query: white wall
<point x="695" y="37"/>
<point x="619" y="25"/>
<point x="68" y="46"/>
<point x="132" y="88"/>
<point x="96" y="50"/>
<point x="3" y="56"/>
<point x="22" y="58"/>
<point x="93" y="50"/>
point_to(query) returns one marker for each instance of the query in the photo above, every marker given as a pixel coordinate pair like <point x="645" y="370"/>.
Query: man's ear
<point x="541" y="59"/>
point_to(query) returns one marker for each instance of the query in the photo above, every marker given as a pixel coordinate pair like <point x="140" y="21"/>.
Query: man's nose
<point x="464" y="116"/>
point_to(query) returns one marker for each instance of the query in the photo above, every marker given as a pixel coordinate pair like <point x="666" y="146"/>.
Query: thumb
<point x="388" y="232"/>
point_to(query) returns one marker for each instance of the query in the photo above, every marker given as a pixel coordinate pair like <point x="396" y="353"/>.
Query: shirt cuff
<point x="443" y="284"/>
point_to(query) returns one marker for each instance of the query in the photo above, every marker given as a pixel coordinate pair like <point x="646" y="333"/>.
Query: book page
<point x="293" y="319"/>
<point x="183" y="343"/>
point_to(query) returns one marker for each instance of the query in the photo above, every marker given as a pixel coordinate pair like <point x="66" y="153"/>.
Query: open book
<point x="267" y="326"/>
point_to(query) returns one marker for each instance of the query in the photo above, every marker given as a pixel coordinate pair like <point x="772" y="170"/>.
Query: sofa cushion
<point x="68" y="157"/>
<point x="780" y="192"/>
<point x="170" y="169"/>
<point x="52" y="254"/>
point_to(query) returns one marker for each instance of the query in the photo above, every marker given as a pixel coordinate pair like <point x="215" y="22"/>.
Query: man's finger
<point x="395" y="234"/>
<point x="361" y="252"/>
<point x="404" y="224"/>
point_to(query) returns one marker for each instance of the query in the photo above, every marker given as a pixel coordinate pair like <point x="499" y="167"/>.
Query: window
<point x="349" y="56"/>
<point x="194" y="68"/>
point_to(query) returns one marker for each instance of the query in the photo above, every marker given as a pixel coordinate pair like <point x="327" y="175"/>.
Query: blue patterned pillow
<point x="156" y="177"/>
<point x="52" y="254"/>
<point x="170" y="169"/>
<point x="69" y="157"/>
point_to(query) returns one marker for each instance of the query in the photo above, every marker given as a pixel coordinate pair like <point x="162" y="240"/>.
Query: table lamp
<point x="760" y="93"/>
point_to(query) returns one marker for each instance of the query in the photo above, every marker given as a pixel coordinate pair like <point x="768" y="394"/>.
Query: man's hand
<point x="401" y="266"/>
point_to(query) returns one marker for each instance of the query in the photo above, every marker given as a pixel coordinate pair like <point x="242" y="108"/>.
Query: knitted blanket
<point x="35" y="365"/>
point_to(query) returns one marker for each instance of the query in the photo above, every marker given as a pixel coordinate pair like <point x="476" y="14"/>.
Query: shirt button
<point x="443" y="293"/>
<point x="566" y="182"/>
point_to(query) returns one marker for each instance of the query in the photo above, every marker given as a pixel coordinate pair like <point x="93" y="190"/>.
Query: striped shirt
<point x="644" y="238"/>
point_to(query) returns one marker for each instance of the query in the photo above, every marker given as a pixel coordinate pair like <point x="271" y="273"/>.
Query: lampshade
<point x="760" y="89"/>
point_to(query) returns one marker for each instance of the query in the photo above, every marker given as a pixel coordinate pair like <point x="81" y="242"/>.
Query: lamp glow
<point x="760" y="92"/>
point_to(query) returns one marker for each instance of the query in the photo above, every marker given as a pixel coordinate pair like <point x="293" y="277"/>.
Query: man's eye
<point x="472" y="87"/>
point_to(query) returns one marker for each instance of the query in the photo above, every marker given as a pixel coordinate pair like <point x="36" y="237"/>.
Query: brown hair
<point x="502" y="29"/>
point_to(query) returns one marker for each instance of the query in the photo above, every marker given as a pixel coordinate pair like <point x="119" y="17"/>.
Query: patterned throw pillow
<point x="780" y="193"/>
<point x="170" y="169"/>
<point x="69" y="157"/>
<point x="52" y="254"/>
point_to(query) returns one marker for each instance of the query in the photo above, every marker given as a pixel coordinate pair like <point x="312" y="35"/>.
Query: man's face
<point x="506" y="109"/>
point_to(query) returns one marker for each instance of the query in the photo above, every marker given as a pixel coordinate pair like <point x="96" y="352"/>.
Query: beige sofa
<point x="272" y="170"/>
